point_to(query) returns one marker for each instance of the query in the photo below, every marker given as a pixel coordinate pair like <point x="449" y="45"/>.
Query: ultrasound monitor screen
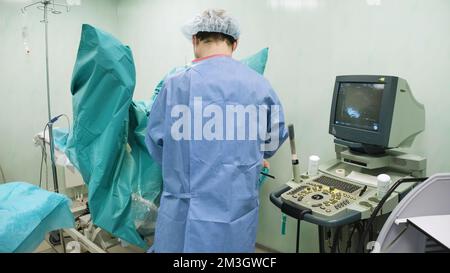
<point x="358" y="105"/>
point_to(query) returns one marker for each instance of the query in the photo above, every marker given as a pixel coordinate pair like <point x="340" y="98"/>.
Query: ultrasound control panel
<point x="324" y="195"/>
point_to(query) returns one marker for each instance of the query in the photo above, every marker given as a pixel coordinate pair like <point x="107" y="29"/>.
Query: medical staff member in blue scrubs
<point x="202" y="130"/>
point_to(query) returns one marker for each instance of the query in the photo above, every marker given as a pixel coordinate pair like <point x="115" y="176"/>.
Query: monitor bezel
<point x="358" y="135"/>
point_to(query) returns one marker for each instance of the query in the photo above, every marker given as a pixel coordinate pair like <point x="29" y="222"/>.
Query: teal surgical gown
<point x="210" y="192"/>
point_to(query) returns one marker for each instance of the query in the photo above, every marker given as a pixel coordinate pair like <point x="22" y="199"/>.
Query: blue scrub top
<point x="210" y="192"/>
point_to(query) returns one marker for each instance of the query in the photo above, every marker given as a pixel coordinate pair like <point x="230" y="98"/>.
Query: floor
<point x="46" y="248"/>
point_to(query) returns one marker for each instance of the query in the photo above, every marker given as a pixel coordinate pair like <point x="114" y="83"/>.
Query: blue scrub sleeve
<point x="154" y="138"/>
<point x="275" y="119"/>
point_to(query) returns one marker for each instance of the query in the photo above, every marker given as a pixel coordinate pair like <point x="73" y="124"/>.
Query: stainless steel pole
<point x="50" y="123"/>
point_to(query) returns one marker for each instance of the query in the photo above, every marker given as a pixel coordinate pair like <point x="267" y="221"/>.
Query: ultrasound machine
<point x="372" y="116"/>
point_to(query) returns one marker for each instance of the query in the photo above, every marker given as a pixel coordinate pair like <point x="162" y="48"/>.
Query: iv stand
<point x="46" y="6"/>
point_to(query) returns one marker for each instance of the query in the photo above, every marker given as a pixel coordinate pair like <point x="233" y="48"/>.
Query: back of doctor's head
<point x="214" y="37"/>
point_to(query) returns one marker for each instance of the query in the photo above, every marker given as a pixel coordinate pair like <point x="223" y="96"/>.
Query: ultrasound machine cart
<point x="370" y="117"/>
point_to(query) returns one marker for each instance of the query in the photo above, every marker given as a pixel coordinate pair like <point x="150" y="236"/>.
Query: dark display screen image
<point x="358" y="105"/>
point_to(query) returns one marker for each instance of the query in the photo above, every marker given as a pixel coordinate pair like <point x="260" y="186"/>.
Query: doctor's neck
<point x="210" y="46"/>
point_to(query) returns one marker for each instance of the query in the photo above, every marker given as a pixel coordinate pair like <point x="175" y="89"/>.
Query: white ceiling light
<point x="373" y="2"/>
<point x="294" y="4"/>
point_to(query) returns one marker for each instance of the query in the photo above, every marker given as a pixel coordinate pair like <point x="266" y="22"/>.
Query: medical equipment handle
<point x="275" y="196"/>
<point x="350" y="217"/>
<point x="291" y="211"/>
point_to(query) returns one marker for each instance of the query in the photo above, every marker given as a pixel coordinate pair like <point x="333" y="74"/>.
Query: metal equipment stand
<point x="293" y="212"/>
<point x="50" y="6"/>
